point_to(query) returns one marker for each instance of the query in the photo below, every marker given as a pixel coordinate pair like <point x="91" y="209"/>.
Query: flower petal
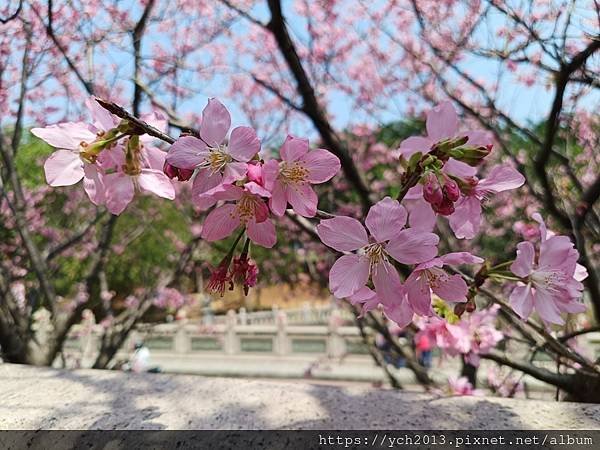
<point x="501" y="178"/>
<point x="153" y="157"/>
<point x="458" y="258"/>
<point x="119" y="192"/>
<point x="322" y="165"/>
<point x="466" y="219"/>
<point x="257" y="189"/>
<point x="414" y="144"/>
<point x="234" y="171"/>
<point x="442" y="122"/>
<point x="557" y="252"/>
<point x="521" y="300"/>
<point x="103" y="120"/>
<point x="523" y="264"/>
<point x="278" y="200"/>
<point x="399" y="312"/>
<point x="93" y="184"/>
<point x="385" y="219"/>
<point x="293" y="148"/>
<point x="459" y="169"/>
<point x="187" y="152"/>
<point x="546" y="307"/>
<point x="63" y="168"/>
<point x="67" y="135"/>
<point x="348" y="274"/>
<point x="342" y="233"/>
<point x="262" y="233"/>
<point x="479" y="138"/>
<point x="387" y="283"/>
<point x="157" y="182"/>
<point x="413" y="246"/>
<point x="418" y="292"/>
<point x="303" y="199"/>
<point x="220" y="223"/>
<point x="215" y="123"/>
<point x="205" y="181"/>
<point x="452" y="288"/>
<point x="243" y="144"/>
<point x="420" y="215"/>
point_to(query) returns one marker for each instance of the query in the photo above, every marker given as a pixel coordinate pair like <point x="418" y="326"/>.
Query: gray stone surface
<point x="43" y="398"/>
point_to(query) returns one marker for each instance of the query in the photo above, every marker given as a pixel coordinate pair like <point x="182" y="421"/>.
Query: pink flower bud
<point x="443" y="208"/>
<point x="451" y="190"/>
<point x="432" y="191"/>
<point x="173" y="172"/>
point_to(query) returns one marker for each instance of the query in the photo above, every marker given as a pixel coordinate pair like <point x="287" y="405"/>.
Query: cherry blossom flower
<point x="219" y="278"/>
<point x="79" y="155"/>
<point x="142" y="171"/>
<point x="430" y="276"/>
<point x="249" y="210"/>
<point x="442" y="124"/>
<point x="290" y="180"/>
<point x="217" y="162"/>
<point x="462" y="386"/>
<point x="244" y="272"/>
<point x="473" y="335"/>
<point x="466" y="219"/>
<point x="552" y="280"/>
<point x="385" y="221"/>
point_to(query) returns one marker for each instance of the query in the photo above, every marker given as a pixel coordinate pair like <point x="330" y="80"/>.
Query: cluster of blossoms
<point x="443" y="167"/>
<point x="474" y="335"/>
<point x="246" y="193"/>
<point x="112" y="161"/>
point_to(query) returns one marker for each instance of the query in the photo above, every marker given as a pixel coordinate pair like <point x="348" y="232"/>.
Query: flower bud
<point x="473" y="156"/>
<point x="444" y="208"/>
<point x="432" y="192"/>
<point x="451" y="190"/>
<point x="459" y="309"/>
<point x="174" y="172"/>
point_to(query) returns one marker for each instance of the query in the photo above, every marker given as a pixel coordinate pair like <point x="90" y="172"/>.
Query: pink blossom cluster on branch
<point x="391" y="262"/>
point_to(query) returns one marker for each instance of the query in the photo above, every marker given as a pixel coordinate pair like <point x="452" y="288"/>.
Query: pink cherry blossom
<point x="217" y="162"/>
<point x="385" y="221"/>
<point x="249" y="210"/>
<point x="462" y="386"/>
<point x="144" y="175"/>
<point x="466" y="219"/>
<point x="76" y="157"/>
<point x="430" y="276"/>
<point x="552" y="279"/>
<point x="290" y="180"/>
<point x="473" y="335"/>
<point x="442" y="123"/>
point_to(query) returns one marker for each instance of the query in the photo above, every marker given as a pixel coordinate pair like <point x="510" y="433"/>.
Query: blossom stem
<point x="501" y="265"/>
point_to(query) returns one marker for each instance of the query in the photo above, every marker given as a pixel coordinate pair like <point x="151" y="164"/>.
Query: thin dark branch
<point x="142" y="127"/>
<point x="311" y="107"/>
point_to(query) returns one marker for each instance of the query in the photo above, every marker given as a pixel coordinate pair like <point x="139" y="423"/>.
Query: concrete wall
<point x="44" y="398"/>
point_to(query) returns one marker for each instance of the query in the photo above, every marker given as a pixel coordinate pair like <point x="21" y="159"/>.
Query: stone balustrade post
<point x="231" y="344"/>
<point x="281" y="339"/>
<point x="243" y="316"/>
<point x="336" y="346"/>
<point x="182" y="340"/>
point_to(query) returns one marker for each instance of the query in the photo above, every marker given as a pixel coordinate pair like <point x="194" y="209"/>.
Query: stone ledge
<point x="44" y="398"/>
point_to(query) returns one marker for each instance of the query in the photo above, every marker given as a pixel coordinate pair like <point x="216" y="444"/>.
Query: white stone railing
<point x="234" y="334"/>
